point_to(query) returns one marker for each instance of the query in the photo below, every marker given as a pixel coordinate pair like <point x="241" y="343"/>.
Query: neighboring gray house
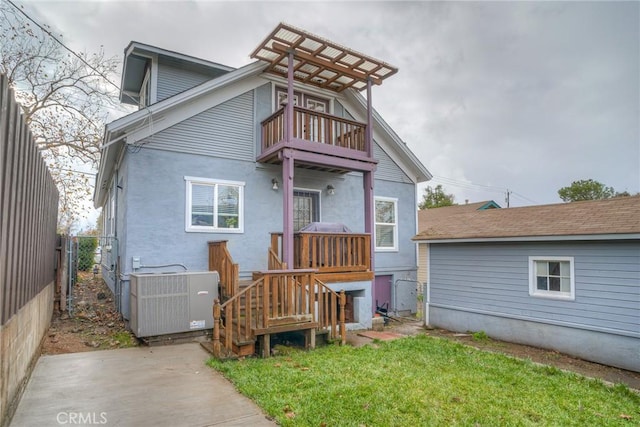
<point x="217" y="154"/>
<point x="440" y="216"/>
<point x="564" y="277"/>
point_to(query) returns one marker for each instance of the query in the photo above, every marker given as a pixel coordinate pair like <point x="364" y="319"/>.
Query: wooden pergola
<point x="320" y="62"/>
<point x="298" y="55"/>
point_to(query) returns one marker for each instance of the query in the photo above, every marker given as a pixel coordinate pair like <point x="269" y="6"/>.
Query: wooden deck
<point x="322" y="134"/>
<point x="284" y="300"/>
<point x="337" y="257"/>
<point x="279" y="301"/>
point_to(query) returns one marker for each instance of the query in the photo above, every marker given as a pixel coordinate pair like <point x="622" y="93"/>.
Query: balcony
<point x="321" y="141"/>
<point x="337" y="257"/>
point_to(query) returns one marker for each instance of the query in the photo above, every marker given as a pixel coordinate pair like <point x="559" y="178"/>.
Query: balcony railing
<point x="314" y="126"/>
<point x="328" y="252"/>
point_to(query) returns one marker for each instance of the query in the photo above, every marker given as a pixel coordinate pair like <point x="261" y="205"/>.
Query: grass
<point x="480" y="336"/>
<point x="424" y="381"/>
<point x="124" y="339"/>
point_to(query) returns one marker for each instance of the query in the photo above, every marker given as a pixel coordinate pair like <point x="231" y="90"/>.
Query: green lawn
<point x="421" y="380"/>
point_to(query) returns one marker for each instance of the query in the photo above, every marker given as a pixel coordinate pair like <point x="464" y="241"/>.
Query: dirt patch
<point x="537" y="355"/>
<point x="94" y="323"/>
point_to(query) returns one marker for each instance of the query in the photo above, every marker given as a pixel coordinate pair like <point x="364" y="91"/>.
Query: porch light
<point x="331" y="190"/>
<point x="274" y="184"/>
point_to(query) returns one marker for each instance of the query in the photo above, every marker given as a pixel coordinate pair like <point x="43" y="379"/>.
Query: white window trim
<point x="395" y="228"/>
<point x="189" y="180"/>
<point x="145" y="90"/>
<point x="533" y="289"/>
<point x="302" y="96"/>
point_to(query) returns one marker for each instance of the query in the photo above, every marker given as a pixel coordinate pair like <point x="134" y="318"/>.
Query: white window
<point x="386" y="224"/>
<point x="214" y="206"/>
<point x="551" y="277"/>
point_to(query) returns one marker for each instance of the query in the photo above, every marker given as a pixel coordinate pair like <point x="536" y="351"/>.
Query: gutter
<point x="552" y="238"/>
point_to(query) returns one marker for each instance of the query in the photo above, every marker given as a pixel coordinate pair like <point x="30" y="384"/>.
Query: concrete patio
<point x="142" y="386"/>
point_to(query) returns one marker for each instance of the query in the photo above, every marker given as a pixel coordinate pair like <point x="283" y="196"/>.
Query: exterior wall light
<point x="331" y="190"/>
<point x="274" y="184"/>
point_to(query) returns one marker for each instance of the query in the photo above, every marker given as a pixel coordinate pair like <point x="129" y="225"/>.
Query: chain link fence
<point x="89" y="255"/>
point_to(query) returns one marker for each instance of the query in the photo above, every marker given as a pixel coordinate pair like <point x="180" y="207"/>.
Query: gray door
<point x="382" y="292"/>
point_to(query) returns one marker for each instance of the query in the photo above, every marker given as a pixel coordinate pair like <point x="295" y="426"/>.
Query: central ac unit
<point x="168" y="303"/>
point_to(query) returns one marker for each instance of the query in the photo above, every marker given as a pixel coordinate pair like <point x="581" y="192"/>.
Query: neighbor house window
<point x="214" y="205"/>
<point x="386" y="224"/>
<point x="551" y="277"/>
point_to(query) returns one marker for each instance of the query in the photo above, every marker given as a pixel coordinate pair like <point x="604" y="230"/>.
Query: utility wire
<point x="50" y="34"/>
<point x="468" y="185"/>
<point x="524" y="197"/>
<point x="481" y="187"/>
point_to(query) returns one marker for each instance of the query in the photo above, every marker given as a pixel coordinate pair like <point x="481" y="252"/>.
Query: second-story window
<point x="310" y="126"/>
<point x="299" y="98"/>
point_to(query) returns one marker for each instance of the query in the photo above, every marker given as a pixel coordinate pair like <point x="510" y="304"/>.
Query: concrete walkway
<point x="142" y="386"/>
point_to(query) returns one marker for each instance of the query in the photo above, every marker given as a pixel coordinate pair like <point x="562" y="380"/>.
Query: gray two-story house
<point x="218" y="170"/>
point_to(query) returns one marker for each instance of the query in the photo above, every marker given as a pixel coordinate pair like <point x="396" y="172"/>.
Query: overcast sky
<point x="528" y="96"/>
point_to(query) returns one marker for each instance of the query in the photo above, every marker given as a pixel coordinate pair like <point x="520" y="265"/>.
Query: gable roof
<point x="610" y="218"/>
<point x="137" y="57"/>
<point x="143" y="123"/>
<point x="433" y="215"/>
<point x="150" y="120"/>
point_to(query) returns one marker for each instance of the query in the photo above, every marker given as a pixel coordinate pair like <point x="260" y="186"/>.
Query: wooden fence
<point x="28" y="211"/>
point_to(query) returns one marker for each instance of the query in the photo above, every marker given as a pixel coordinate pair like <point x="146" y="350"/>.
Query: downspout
<point x="428" y="296"/>
<point x="287" y="172"/>
<point x="117" y="283"/>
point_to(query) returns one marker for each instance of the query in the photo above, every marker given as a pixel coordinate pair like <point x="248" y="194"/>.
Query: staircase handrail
<point x="318" y="292"/>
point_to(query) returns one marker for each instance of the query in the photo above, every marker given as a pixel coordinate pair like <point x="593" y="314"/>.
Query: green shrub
<point x="86" y="252"/>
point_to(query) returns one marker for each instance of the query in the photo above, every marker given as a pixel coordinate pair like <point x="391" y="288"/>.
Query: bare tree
<point x="65" y="99"/>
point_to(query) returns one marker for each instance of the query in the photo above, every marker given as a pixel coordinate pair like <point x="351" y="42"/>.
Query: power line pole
<point x="506" y="199"/>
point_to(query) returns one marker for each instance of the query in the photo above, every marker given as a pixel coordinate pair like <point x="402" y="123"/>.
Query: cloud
<point x="524" y="95"/>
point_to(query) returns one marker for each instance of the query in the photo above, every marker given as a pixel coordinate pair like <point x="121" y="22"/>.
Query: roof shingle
<point x="611" y="216"/>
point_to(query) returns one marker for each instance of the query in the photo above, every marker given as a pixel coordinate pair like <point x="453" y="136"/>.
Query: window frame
<point x="316" y="196"/>
<point x="144" y="98"/>
<point x="557" y="295"/>
<point x="190" y="228"/>
<point x="394" y="224"/>
<point x="300" y="99"/>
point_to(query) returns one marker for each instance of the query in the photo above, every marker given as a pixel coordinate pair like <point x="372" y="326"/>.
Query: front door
<point x="382" y="292"/>
<point x="306" y="208"/>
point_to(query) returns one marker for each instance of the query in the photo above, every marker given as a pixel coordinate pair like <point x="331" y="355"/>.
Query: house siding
<point x="423" y="262"/>
<point x="479" y="286"/>
<point x="222" y="142"/>
<point x="174" y="78"/>
<point x="225" y="131"/>
<point x="387" y="168"/>
<point x="400" y="264"/>
<point x="155" y="215"/>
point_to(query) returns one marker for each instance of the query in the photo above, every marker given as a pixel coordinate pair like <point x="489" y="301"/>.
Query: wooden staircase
<point x="276" y="301"/>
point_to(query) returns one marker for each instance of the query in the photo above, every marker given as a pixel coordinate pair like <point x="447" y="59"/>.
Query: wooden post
<point x="343" y="331"/>
<point x="310" y="339"/>
<point x="216" y="328"/>
<point x="266" y="345"/>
